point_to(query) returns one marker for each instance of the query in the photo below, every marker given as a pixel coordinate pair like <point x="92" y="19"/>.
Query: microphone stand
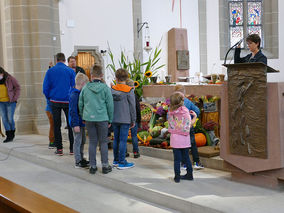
<point x="236" y="44"/>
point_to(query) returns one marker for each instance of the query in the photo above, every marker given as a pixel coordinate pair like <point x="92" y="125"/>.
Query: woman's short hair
<point x="254" y="38"/>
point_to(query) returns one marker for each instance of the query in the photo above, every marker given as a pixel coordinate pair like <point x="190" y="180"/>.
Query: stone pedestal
<point x="30" y="37"/>
<point x="177" y="41"/>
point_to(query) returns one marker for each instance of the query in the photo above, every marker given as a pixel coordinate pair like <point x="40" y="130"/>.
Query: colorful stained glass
<point x="236" y="13"/>
<point x="236" y="34"/>
<point x="254" y="30"/>
<point x="254" y="13"/>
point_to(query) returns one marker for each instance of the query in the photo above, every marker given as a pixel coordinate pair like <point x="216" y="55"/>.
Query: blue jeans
<point x="120" y="141"/>
<point x="181" y="155"/>
<point x="134" y="138"/>
<point x="7" y="110"/>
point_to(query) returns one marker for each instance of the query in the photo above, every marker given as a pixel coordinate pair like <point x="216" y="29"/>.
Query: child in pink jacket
<point x="180" y="123"/>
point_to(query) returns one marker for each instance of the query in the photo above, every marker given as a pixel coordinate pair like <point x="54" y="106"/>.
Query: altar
<point x="264" y="170"/>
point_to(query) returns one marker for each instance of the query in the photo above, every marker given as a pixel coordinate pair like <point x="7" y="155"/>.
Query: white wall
<point x="213" y="57"/>
<point x="96" y="23"/>
<point x="159" y="15"/>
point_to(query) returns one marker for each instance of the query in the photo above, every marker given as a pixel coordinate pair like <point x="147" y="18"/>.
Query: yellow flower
<point x="136" y="84"/>
<point x="148" y="74"/>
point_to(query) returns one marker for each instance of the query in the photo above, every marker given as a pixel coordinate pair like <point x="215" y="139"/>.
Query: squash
<point x="200" y="139"/>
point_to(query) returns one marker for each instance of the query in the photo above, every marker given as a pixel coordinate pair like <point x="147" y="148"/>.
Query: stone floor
<point x="148" y="186"/>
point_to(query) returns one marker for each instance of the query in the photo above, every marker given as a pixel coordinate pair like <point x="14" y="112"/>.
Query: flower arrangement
<point x="139" y="72"/>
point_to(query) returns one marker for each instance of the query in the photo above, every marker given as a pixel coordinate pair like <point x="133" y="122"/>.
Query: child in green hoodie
<point x="96" y="108"/>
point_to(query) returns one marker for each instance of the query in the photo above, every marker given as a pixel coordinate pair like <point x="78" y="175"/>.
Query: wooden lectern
<point x="252" y="137"/>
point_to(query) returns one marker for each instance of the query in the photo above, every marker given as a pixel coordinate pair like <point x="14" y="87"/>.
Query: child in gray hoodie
<point x="124" y="117"/>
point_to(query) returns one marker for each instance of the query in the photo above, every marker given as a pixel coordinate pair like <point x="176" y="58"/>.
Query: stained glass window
<point x="236" y="21"/>
<point x="254" y="13"/>
<point x="244" y="23"/>
<point x="236" y="13"/>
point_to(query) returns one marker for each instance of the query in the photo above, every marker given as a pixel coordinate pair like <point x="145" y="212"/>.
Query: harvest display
<point x="154" y="125"/>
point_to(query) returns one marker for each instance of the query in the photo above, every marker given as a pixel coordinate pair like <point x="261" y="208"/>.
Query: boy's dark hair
<point x="97" y="71"/>
<point x="71" y="57"/>
<point x="254" y="38"/>
<point x="121" y="74"/>
<point x="60" y="57"/>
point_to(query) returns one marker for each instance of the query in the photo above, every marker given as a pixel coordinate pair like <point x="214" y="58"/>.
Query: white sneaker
<point x="198" y="166"/>
<point x="183" y="167"/>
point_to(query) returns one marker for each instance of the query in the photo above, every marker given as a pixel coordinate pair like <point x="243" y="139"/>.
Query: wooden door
<point x="86" y="61"/>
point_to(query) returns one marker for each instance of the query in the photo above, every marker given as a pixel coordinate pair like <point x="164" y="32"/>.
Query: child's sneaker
<point x="115" y="163"/>
<point x="59" y="152"/>
<point x="51" y="145"/>
<point x="85" y="161"/>
<point x="125" y="165"/>
<point x="136" y="154"/>
<point x="177" y="178"/>
<point x="198" y="166"/>
<point x="71" y="152"/>
<point x="126" y="154"/>
<point x="183" y="167"/>
<point x="93" y="170"/>
<point x="81" y="164"/>
<point x="107" y="169"/>
<point x="187" y="176"/>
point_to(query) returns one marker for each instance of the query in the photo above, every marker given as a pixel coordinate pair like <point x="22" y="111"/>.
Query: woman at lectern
<point x="253" y="42"/>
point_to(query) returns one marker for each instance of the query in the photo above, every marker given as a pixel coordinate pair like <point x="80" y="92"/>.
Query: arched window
<point x="245" y="18"/>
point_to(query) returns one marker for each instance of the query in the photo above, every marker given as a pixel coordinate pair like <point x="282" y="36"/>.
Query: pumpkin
<point x="200" y="139"/>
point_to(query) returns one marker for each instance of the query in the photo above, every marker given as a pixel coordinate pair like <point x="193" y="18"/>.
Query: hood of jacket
<point x="96" y="87"/>
<point x="120" y="91"/>
<point x="180" y="110"/>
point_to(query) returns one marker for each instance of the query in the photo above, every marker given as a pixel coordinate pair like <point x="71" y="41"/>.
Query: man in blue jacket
<point x="57" y="83"/>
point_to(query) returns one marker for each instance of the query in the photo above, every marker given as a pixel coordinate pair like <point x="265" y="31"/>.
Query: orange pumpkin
<point x="200" y="139"/>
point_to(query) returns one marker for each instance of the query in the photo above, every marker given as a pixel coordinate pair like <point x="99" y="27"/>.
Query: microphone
<point x="236" y="44"/>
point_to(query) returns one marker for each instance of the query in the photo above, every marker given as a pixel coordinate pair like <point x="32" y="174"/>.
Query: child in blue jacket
<point x="76" y="122"/>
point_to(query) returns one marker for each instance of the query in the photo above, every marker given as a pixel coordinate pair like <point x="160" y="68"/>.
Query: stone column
<point x="31" y="36"/>
<point x="137" y="16"/>
<point x="202" y="35"/>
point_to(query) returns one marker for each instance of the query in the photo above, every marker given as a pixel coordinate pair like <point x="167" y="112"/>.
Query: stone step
<point x="117" y="181"/>
<point x="167" y="154"/>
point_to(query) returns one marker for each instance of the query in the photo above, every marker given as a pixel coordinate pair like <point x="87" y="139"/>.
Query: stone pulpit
<point x="252" y="133"/>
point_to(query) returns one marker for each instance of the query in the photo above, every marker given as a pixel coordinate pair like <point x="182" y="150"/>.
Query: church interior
<point x="226" y="58"/>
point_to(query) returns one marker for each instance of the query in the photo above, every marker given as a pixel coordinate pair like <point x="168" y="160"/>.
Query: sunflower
<point x="148" y="74"/>
<point x="136" y="84"/>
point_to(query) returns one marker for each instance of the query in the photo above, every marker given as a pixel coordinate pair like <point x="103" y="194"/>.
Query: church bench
<point x="16" y="198"/>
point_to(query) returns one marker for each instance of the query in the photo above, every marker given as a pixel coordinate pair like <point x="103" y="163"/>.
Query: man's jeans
<point x="56" y="113"/>
<point x="120" y="141"/>
<point x="194" y="150"/>
<point x="7" y="110"/>
<point x="134" y="138"/>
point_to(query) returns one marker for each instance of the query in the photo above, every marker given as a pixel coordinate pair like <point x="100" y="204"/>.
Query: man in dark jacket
<point x="57" y="83"/>
<point x="73" y="65"/>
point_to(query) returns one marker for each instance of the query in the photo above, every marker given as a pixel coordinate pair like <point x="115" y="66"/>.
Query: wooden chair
<point x="15" y="198"/>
